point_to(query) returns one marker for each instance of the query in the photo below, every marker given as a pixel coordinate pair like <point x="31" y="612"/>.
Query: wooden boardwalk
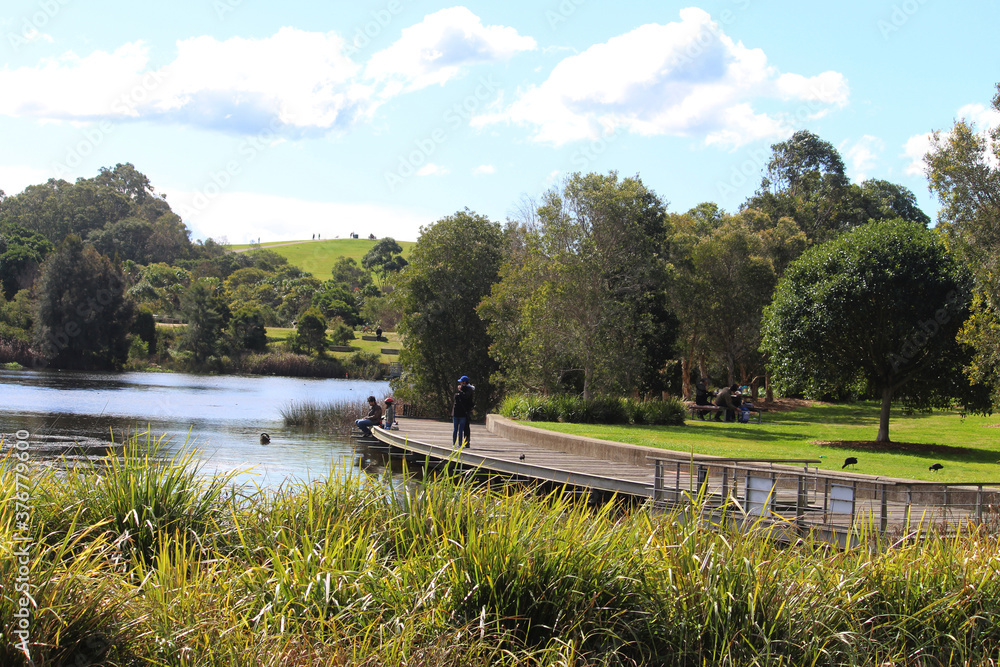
<point x="488" y="451"/>
<point x="780" y="491"/>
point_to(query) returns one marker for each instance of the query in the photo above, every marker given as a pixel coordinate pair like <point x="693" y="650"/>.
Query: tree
<point x="347" y="272"/>
<point x="962" y="170"/>
<point x="206" y="314"/>
<point x="875" y="310"/>
<point x="21" y="254"/>
<point x="383" y="259"/>
<point x="451" y="269"/>
<point x="82" y="318"/>
<point x="578" y="298"/>
<point x="311" y="330"/>
<point x="247" y="331"/>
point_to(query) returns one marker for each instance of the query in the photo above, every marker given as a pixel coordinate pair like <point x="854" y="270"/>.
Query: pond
<point x="221" y="417"/>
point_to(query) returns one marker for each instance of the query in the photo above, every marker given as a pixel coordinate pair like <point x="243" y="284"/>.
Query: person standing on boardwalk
<point x="373" y="417"/>
<point x="460" y="416"/>
<point x="470" y="403"/>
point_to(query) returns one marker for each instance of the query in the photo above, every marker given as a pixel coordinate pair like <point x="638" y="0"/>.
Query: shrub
<point x="600" y="410"/>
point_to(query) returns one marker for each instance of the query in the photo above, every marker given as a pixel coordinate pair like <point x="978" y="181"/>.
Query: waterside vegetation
<point x="140" y="561"/>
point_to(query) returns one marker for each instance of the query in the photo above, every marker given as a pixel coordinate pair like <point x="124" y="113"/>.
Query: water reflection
<point x="220" y="416"/>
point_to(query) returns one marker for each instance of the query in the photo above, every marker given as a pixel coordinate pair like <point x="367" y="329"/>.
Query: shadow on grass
<point x="915" y="450"/>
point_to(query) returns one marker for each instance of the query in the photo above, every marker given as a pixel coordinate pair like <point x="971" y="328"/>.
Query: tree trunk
<point x="588" y="374"/>
<point x="686" y="377"/>
<point x="768" y="389"/>
<point x="883" y="424"/>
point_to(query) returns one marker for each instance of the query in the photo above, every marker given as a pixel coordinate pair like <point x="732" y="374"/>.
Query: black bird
<point x="521" y="457"/>
<point x="265" y="439"/>
<point x="935" y="467"/>
<point x="849" y="461"/>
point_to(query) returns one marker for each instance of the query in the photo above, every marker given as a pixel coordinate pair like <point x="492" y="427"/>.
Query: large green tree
<point x="82" y="317"/>
<point x="876" y="311"/>
<point x="452" y="267"/>
<point x="805" y="181"/>
<point x="963" y="173"/>
<point x="582" y="293"/>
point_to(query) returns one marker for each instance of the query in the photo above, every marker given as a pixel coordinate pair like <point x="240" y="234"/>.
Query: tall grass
<point x="448" y="572"/>
<point x="333" y="415"/>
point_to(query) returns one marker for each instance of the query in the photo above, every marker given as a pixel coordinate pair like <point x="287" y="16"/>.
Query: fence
<point x="803" y="498"/>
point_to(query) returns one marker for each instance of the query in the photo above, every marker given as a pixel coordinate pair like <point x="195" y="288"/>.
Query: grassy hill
<point x="318" y="257"/>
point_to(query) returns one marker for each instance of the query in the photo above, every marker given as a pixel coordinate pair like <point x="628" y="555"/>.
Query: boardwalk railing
<point x="793" y="492"/>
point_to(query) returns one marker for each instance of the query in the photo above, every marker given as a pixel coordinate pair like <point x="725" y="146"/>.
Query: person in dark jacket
<point x="373" y="418"/>
<point x="460" y="416"/>
<point x="470" y="403"/>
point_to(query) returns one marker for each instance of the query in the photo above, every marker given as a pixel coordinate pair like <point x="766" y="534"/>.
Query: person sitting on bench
<point x="727" y="398"/>
<point x="702" y="396"/>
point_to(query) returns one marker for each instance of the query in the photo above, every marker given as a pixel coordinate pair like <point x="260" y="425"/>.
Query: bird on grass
<point x="849" y="461"/>
<point x="265" y="439"/>
<point x="935" y="467"/>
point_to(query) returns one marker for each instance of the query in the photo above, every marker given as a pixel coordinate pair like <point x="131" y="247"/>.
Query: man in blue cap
<point x="461" y="412"/>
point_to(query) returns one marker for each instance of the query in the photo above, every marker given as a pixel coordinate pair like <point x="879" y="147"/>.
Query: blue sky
<point x="281" y="120"/>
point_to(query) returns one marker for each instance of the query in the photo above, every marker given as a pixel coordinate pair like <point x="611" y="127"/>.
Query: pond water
<point x="221" y="417"/>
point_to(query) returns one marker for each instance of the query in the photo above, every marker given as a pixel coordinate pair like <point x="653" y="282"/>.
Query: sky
<point x="277" y="121"/>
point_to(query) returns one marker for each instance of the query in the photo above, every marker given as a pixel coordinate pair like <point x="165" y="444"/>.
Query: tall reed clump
<point x="139" y="498"/>
<point x="335" y="415"/>
<point x="599" y="410"/>
<point x="450" y="571"/>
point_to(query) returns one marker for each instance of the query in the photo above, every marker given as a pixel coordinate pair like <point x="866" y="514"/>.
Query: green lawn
<point x="318" y="257"/>
<point x="275" y="334"/>
<point x="967" y="447"/>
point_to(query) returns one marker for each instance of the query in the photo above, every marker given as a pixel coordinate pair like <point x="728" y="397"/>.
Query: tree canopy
<point x="962" y="169"/>
<point x="82" y="317"/>
<point x="582" y="293"/>
<point x="875" y="311"/>
<point x="451" y="269"/>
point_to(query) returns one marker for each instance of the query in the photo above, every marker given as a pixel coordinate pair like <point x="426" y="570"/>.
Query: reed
<point x="168" y="566"/>
<point x="332" y="415"/>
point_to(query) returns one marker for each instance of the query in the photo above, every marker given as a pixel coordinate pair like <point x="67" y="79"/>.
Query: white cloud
<point x="484" y="169"/>
<point x="15" y="178"/>
<point x="686" y="78"/>
<point x="301" y="79"/>
<point x="242" y="216"/>
<point x="436" y="49"/>
<point x="431" y="169"/>
<point x="862" y="155"/>
<point x="293" y="79"/>
<point x="983" y="117"/>
<point x="914" y="150"/>
<point x="70" y="87"/>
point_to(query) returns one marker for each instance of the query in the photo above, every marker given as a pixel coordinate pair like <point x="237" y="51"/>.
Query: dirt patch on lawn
<point x="903" y="447"/>
<point x="784" y="404"/>
<point x="992" y="425"/>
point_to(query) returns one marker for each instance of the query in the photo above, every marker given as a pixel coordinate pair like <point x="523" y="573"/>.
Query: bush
<point x="600" y="410"/>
